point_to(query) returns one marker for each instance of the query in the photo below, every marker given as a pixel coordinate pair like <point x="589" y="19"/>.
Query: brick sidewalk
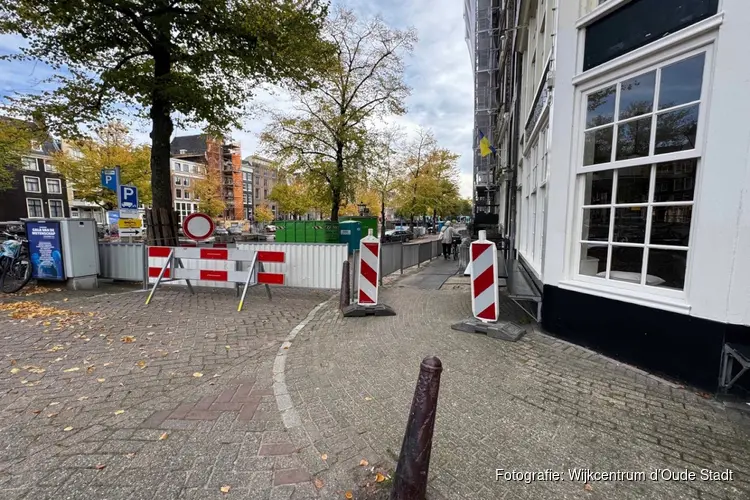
<point x="527" y="406"/>
<point x="123" y="401"/>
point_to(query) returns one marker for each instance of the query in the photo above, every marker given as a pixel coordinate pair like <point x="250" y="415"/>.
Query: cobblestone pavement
<point x="536" y="404"/>
<point x="102" y="397"/>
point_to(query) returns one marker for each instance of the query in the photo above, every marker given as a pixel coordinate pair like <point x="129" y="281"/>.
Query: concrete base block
<point x="82" y="283"/>
<point x="503" y="330"/>
<point x="358" y="311"/>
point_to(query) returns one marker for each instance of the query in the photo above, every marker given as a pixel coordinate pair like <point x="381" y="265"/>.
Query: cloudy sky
<point x="439" y="73"/>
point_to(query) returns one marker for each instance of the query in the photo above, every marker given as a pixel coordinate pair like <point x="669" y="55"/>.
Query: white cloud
<point x="439" y="72"/>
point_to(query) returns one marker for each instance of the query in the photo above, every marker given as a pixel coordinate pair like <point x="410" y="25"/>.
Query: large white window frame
<point x="26" y="186"/>
<point x="58" y="205"/>
<point x="41" y="208"/>
<point x="54" y="182"/>
<point x="655" y="60"/>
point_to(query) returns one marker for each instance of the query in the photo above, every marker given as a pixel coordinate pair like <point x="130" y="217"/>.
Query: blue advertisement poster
<point x="45" y="248"/>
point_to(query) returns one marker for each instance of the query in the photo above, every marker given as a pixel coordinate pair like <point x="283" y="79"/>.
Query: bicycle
<point x="15" y="264"/>
<point x="454" y="247"/>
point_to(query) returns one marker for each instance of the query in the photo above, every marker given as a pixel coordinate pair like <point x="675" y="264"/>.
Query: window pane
<point x="676" y="130"/>
<point x="32" y="184"/>
<point x="671" y="225"/>
<point x="598" y="147"/>
<point x="666" y="268"/>
<point x="595" y="224"/>
<point x="601" y="107"/>
<point x="681" y="82"/>
<point x="55" y="208"/>
<point x="626" y="264"/>
<point x="637" y="95"/>
<point x="675" y="181"/>
<point x="633" y="138"/>
<point x="633" y="184"/>
<point x="630" y="225"/>
<point x="593" y="260"/>
<point x="29" y="163"/>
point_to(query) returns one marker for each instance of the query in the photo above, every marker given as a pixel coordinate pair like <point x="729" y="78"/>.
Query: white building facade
<point x="627" y="196"/>
<point x="184" y="176"/>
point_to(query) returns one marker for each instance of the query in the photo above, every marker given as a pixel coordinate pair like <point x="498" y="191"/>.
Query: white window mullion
<point x="655" y="116"/>
<point x="649" y="215"/>
<point x="610" y="238"/>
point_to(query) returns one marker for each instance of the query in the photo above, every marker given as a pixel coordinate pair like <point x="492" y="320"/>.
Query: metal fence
<point x="122" y="261"/>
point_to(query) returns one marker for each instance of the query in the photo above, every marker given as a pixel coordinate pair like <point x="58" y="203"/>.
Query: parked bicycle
<point x="454" y="247"/>
<point x="15" y="264"/>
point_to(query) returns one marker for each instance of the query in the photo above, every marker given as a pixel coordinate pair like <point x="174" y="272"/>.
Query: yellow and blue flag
<point x="485" y="148"/>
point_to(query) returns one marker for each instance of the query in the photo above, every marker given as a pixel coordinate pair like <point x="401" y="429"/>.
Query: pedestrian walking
<point x="447" y="239"/>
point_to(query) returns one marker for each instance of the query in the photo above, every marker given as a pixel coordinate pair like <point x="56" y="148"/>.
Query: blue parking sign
<point x="128" y="197"/>
<point x="109" y="178"/>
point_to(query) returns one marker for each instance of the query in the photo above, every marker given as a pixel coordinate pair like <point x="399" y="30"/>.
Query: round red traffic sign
<point x="198" y="226"/>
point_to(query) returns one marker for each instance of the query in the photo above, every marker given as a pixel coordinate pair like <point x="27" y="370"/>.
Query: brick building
<point x="265" y="178"/>
<point x="221" y="158"/>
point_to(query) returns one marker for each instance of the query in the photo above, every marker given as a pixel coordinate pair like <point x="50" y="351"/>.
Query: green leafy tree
<point x="327" y="135"/>
<point x="386" y="170"/>
<point x="82" y="161"/>
<point x="263" y="213"/>
<point x="208" y="192"/>
<point x="16" y="139"/>
<point x="183" y="62"/>
<point x="291" y="198"/>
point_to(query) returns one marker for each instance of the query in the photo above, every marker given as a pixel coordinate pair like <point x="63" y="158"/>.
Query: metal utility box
<point x="80" y="251"/>
<point x="350" y="233"/>
<point x="366" y="223"/>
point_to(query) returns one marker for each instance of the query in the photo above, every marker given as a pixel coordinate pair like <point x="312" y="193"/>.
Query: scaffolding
<point x="487" y="102"/>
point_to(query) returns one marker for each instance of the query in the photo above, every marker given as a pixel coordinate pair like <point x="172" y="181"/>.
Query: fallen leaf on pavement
<point x="36" y="412"/>
<point x="15" y="370"/>
<point x="106" y="364"/>
<point x="130" y="455"/>
<point x="100" y="466"/>
<point x="141" y="364"/>
<point x="226" y="347"/>
<point x="68" y="429"/>
<point x="56" y="348"/>
<point x="83" y="398"/>
<point x="588" y="487"/>
<point x="119" y="412"/>
<point x="163" y="436"/>
<point x="66" y="299"/>
<point x="12" y="362"/>
<point x="36" y="369"/>
<point x="364" y="463"/>
<point x="348" y="495"/>
<point x="197" y="374"/>
<point x="74" y="369"/>
<point x="225" y="489"/>
<point x="90" y="369"/>
<point x="368" y="398"/>
<point x="379" y="478"/>
<point x="54" y="403"/>
<point x="52" y="415"/>
<point x="324" y="456"/>
<point x="318" y="483"/>
<point x="91" y="314"/>
<point x="128" y="339"/>
<point x="100" y="380"/>
<point x="47" y="323"/>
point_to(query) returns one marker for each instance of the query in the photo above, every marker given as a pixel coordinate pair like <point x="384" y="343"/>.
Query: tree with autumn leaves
<point x="81" y="162"/>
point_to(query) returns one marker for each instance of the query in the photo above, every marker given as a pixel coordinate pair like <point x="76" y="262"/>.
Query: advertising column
<point x="45" y="249"/>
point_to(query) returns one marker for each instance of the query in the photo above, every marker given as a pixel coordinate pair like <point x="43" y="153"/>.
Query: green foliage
<point x="291" y="198"/>
<point x="15" y="141"/>
<point x="263" y="214"/>
<point x="83" y="160"/>
<point x="208" y="192"/>
<point x="202" y="57"/>
<point x="327" y="137"/>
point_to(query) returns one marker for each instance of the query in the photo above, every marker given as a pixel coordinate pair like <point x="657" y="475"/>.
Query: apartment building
<point x="623" y="169"/>
<point x="222" y="159"/>
<point x="38" y="191"/>
<point x="184" y="175"/>
<point x="265" y="178"/>
<point x="247" y="188"/>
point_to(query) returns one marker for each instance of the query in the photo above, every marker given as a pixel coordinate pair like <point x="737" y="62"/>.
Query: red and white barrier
<point x="255" y="275"/>
<point x="485" y="295"/>
<point x="369" y="270"/>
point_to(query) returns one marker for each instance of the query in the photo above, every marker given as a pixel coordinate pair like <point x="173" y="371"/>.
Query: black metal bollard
<point x="344" y="296"/>
<point x="410" y="480"/>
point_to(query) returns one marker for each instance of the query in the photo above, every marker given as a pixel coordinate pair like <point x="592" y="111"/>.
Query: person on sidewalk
<point x="447" y="239"/>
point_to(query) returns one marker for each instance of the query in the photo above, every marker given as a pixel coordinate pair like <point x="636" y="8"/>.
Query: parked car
<point x="235" y="230"/>
<point x="221" y="231"/>
<point x="270" y="228"/>
<point x="398" y="235"/>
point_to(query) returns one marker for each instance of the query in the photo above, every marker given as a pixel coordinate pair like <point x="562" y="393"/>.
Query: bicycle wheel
<point x="17" y="274"/>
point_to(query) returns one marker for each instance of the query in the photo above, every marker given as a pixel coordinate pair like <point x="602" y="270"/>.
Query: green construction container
<point x="331" y="232"/>
<point x="366" y="223"/>
<point x="281" y="231"/>
<point x="299" y="230"/>
<point x="310" y="226"/>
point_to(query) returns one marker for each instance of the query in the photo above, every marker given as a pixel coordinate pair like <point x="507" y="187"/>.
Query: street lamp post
<point x="362" y="207"/>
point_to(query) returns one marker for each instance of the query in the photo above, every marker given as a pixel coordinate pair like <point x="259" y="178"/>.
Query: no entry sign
<point x="198" y="227"/>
